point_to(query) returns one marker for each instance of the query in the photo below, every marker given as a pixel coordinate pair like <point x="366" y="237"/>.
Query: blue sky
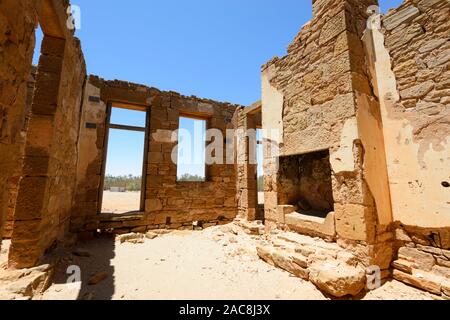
<point x="209" y="48"/>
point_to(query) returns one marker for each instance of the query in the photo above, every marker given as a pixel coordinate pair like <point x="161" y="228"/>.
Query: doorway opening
<point x="124" y="171"/>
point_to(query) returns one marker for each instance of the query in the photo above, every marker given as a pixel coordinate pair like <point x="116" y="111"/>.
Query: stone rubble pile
<point x="424" y="267"/>
<point x="24" y="284"/>
<point x="332" y="269"/>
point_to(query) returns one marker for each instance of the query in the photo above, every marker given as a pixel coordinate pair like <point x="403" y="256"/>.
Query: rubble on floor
<point x="424" y="267"/>
<point x="332" y="269"/>
<point x="24" y="284"/>
<point x="251" y="227"/>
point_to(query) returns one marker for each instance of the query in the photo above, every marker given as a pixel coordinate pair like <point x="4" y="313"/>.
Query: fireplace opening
<point x="305" y="183"/>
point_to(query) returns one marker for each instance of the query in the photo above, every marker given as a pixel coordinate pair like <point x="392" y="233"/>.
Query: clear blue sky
<point x="209" y="48"/>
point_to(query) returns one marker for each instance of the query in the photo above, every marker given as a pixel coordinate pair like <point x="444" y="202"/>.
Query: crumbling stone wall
<point x="18" y="18"/>
<point x="416" y="115"/>
<point x="320" y="81"/>
<point x="178" y="203"/>
<point x="377" y="100"/>
<point x="409" y="60"/>
<point x="423" y="258"/>
<point x="46" y="190"/>
<point x="168" y="202"/>
<point x="14" y="180"/>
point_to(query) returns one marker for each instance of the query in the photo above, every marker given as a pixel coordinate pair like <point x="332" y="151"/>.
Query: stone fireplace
<point x="306" y="183"/>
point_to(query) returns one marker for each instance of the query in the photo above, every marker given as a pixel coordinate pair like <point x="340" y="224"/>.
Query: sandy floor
<point x="121" y="202"/>
<point x="260" y="197"/>
<point x="191" y="265"/>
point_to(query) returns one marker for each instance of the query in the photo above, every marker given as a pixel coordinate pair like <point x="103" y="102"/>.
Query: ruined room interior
<point x="356" y="143"/>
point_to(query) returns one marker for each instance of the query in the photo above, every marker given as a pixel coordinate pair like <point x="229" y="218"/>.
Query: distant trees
<point x="133" y="183"/>
<point x="261" y="184"/>
<point x="190" y="178"/>
<point x="129" y="182"/>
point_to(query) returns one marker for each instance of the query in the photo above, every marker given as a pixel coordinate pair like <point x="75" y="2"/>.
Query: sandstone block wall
<point x="15" y="179"/>
<point x="416" y="113"/>
<point x="18" y="18"/>
<point x="183" y="202"/>
<point x="409" y="60"/>
<point x="46" y="189"/>
<point x="168" y="203"/>
<point x="320" y="81"/>
<point x="377" y="99"/>
<point x="423" y="259"/>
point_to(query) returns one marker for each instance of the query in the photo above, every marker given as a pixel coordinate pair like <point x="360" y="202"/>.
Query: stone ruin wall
<point x="322" y="88"/>
<point x="416" y="115"/>
<point x="18" y="19"/>
<point x="14" y="180"/>
<point x="168" y="203"/>
<point x="412" y="83"/>
<point x="46" y="189"/>
<point x="184" y="202"/>
<point x="379" y="105"/>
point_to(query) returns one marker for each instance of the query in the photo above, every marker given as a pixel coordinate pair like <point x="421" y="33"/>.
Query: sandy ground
<point x="260" y="197"/>
<point x="121" y="202"/>
<point x="206" y="265"/>
<point x="4" y="251"/>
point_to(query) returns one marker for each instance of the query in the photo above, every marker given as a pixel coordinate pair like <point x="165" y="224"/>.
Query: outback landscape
<point x="353" y="201"/>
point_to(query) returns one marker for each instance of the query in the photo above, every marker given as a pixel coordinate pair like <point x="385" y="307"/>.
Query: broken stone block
<point x="284" y="261"/>
<point x="347" y="258"/>
<point x="151" y="235"/>
<point x="301" y="260"/>
<point x="305" y="250"/>
<point x="338" y="280"/>
<point x="422" y="260"/>
<point x="25" y="283"/>
<point x="441" y="271"/>
<point x="132" y="238"/>
<point x="443" y="262"/>
<point x="265" y="253"/>
<point x="403" y="265"/>
<point x="428" y="249"/>
<point x="421" y="280"/>
<point x="446" y="288"/>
